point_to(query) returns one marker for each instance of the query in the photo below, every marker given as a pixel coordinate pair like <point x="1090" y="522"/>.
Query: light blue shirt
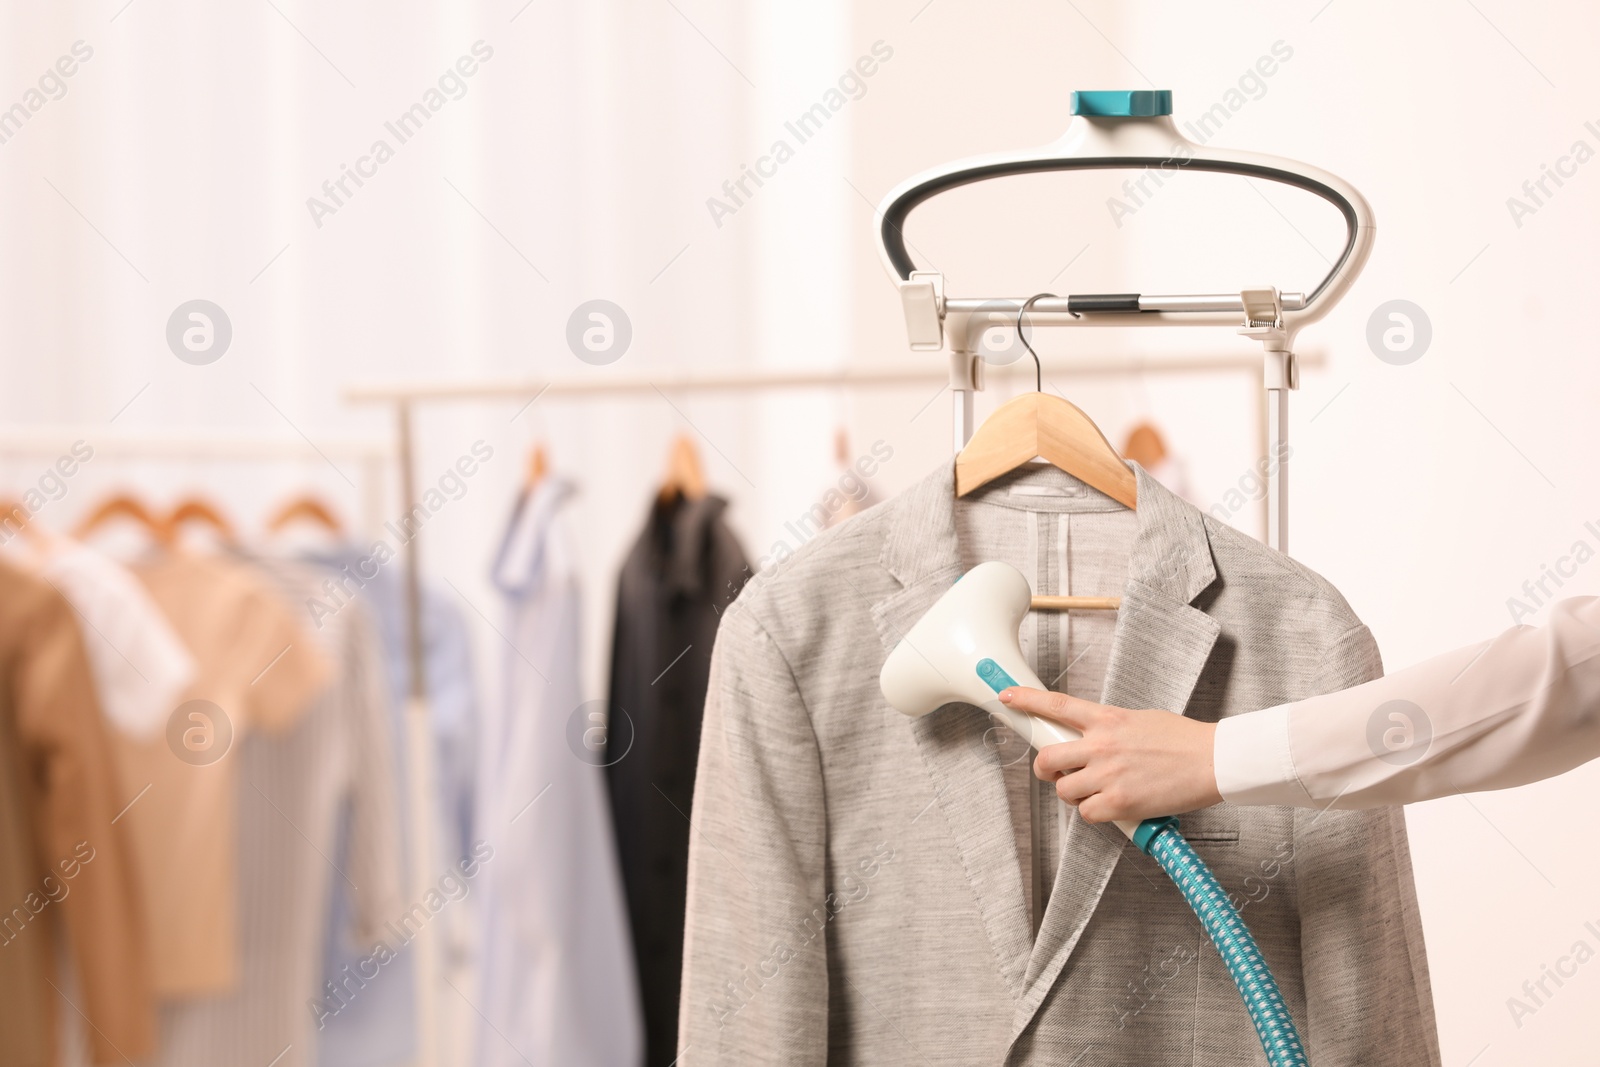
<point x="376" y="1028"/>
<point x="556" y="981"/>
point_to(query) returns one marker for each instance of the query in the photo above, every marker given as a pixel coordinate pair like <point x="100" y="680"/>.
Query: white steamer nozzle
<point x="965" y="650"/>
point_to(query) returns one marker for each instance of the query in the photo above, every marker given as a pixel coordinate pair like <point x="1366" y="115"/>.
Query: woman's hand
<point x="1129" y="765"/>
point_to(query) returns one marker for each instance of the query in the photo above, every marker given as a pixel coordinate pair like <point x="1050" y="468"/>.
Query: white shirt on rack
<point x="141" y="667"/>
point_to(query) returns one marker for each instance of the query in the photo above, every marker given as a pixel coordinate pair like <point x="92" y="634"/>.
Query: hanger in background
<point x="123" y="506"/>
<point x="1039" y="425"/>
<point x="198" y="509"/>
<point x="14" y="514"/>
<point x="685" y="476"/>
<point x="538" y="466"/>
<point x="1145" y="445"/>
<point x="305" y="508"/>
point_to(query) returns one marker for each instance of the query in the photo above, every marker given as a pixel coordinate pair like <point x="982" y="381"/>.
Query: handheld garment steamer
<point x="965" y="650"/>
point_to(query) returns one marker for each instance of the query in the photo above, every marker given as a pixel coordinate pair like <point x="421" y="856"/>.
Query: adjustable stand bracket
<point x="966" y="369"/>
<point x="1263" y="321"/>
<point x="1280" y="373"/>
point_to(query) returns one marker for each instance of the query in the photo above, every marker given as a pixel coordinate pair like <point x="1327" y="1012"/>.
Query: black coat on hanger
<point x="680" y="577"/>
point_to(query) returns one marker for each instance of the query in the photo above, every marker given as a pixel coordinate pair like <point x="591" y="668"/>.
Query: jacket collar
<point x="519" y="565"/>
<point x="679" y="531"/>
<point x="1160" y="647"/>
<point x="1170" y="554"/>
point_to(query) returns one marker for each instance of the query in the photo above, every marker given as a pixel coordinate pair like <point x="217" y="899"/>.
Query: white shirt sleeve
<point x="1253" y="761"/>
<point x="1520" y="708"/>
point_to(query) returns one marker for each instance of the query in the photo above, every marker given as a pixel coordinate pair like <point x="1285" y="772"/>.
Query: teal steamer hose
<point x="1160" y="839"/>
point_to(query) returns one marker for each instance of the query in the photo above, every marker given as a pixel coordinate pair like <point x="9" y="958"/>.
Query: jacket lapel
<point x="1160" y="647"/>
<point x="966" y="777"/>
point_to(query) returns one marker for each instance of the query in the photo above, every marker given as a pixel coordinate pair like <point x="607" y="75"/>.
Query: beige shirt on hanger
<point x="64" y="857"/>
<point x="256" y="669"/>
<point x="298" y="783"/>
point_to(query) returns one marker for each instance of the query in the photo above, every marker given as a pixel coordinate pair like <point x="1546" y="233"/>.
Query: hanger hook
<point x="1038" y="369"/>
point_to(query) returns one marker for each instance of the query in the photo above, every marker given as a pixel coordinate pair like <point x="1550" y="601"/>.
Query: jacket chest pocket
<point x="1215" y="826"/>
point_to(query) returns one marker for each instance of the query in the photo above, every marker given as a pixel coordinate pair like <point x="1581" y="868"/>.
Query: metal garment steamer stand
<point x="1128" y="130"/>
<point x="1121" y="130"/>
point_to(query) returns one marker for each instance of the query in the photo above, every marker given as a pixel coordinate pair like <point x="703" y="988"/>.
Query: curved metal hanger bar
<point x="1094" y="142"/>
<point x="894" y="217"/>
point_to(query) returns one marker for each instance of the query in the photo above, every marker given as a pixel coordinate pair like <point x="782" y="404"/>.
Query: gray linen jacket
<point x="854" y="888"/>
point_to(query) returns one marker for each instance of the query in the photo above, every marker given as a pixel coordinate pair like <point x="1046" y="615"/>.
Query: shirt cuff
<point x="1253" y="762"/>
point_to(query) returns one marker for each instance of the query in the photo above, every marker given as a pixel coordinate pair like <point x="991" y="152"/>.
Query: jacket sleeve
<point x="755" y="987"/>
<point x="76" y="804"/>
<point x="1368" y="997"/>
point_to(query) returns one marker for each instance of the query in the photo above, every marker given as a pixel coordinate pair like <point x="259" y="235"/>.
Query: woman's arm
<point x="1520" y="708"/>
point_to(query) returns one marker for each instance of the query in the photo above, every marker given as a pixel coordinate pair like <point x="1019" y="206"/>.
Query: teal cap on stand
<point x="1123" y="103"/>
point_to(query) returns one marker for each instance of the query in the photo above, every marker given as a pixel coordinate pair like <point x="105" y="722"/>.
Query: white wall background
<point x="578" y="163"/>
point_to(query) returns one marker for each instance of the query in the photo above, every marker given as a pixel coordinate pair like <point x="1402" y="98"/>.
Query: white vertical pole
<point x="1277" y="472"/>
<point x="1278" y="375"/>
<point x="964" y="382"/>
<point x="372" y="495"/>
<point x="419" y="761"/>
<point x="962" y="412"/>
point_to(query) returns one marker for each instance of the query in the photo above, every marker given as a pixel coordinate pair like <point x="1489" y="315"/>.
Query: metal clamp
<point x="1263" y="321"/>
<point x="922" y="299"/>
<point x="1263" y="311"/>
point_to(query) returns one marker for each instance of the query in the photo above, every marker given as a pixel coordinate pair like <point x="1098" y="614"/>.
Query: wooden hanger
<point x="123" y="506"/>
<point x="13" y="513"/>
<point x="685" y="477"/>
<point x="1145" y="446"/>
<point x="198" y="509"/>
<point x="1043" y="426"/>
<point x="309" y="509"/>
<point x="1039" y="425"/>
<point x="538" y="466"/>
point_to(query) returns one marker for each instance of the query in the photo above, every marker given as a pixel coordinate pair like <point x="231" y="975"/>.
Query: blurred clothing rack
<point x="200" y="446"/>
<point x="370" y="456"/>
